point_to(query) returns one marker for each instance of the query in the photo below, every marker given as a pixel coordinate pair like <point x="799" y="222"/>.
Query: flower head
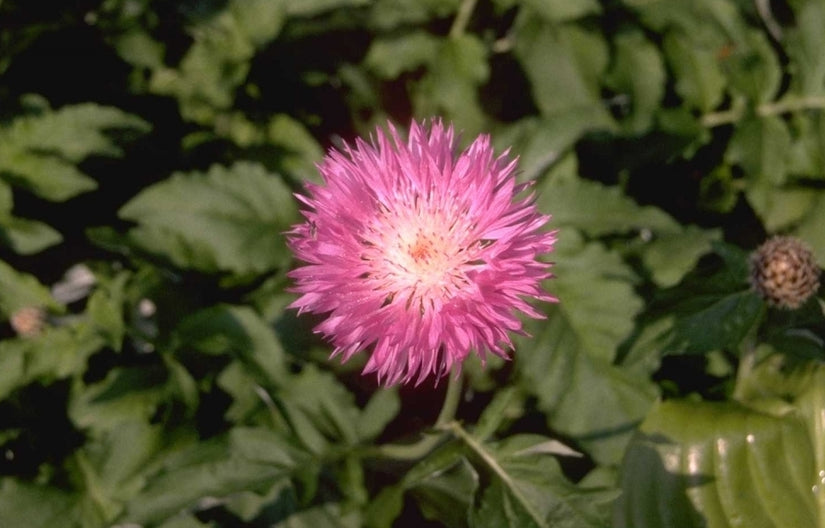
<point x="419" y="253"/>
<point x="784" y="272"/>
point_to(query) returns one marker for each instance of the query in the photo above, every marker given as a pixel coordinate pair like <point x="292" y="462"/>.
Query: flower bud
<point x="784" y="272"/>
<point x="28" y="321"/>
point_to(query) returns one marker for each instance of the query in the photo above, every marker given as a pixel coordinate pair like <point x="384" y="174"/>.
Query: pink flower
<point x="418" y="253"/>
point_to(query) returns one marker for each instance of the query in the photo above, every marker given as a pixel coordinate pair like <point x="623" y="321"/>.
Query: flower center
<point x="421" y="254"/>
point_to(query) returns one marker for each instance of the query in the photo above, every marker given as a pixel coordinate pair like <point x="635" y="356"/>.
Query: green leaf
<point x="638" y="73"/>
<point x="450" y="86"/>
<point x="393" y="55"/>
<point x="812" y="229"/>
<point x="112" y="466"/>
<point x="752" y="67"/>
<point x="259" y="20"/>
<point x="239" y="331"/>
<point x="760" y="146"/>
<point x="105" y="309"/>
<point x="320" y="410"/>
<point x="302" y="151"/>
<point x="563" y="64"/>
<point x="779" y="208"/>
<point x="543" y="144"/>
<point x="699" y="80"/>
<point x="714" y="322"/>
<point x="307" y="8"/>
<point x="137" y="47"/>
<point x="445" y="495"/>
<point x="563" y="198"/>
<point x="592" y="402"/>
<point x="562" y="10"/>
<point x="228" y="219"/>
<point x="672" y="255"/>
<point x="53" y="354"/>
<point x="528" y="489"/>
<point x="327" y="515"/>
<point x="718" y="464"/>
<point x="21" y="290"/>
<point x="124" y="395"/>
<point x="39" y="152"/>
<point x="27" y="237"/>
<point x="217" y="62"/>
<point x="377" y="413"/>
<point x="389" y="14"/>
<point x="248" y="459"/>
<point x="25" y="505"/>
<point x="600" y="321"/>
<point x="804" y="43"/>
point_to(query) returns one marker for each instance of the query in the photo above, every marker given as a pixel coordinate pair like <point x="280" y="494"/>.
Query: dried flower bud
<point x="28" y="321"/>
<point x="784" y="272"/>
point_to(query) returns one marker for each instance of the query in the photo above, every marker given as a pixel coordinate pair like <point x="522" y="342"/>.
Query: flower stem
<point x="789" y="104"/>
<point x="429" y="440"/>
<point x="462" y="18"/>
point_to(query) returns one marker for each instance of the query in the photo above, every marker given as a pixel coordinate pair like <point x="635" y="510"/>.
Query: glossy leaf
<point x="717" y="464"/>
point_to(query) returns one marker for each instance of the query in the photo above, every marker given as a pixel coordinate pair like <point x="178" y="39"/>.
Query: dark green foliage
<point x="151" y="374"/>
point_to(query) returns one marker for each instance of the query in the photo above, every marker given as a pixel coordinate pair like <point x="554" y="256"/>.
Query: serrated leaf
<point x="27" y="237"/>
<point x="217" y="62"/>
<point x="672" y="255"/>
<point x="544" y="144"/>
<point x="752" y="67"/>
<point x="392" y="55"/>
<point x="137" y="47"/>
<point x="228" y="219"/>
<point x="778" y="207"/>
<point x="55" y="353"/>
<point x="302" y="151"/>
<point x="320" y="410"/>
<point x="597" y="209"/>
<point x="699" y="80"/>
<point x="450" y="86"/>
<point x="248" y="459"/>
<point x="113" y="464"/>
<point x="803" y="43"/>
<point x="586" y="398"/>
<point x="389" y="14"/>
<point x="377" y="413"/>
<point x="259" y="20"/>
<point x="238" y="331"/>
<point x="529" y="490"/>
<point x="446" y="496"/>
<point x="124" y="395"/>
<point x="306" y="8"/>
<point x="563" y="64"/>
<point x="760" y="146"/>
<point x="495" y="412"/>
<point x="601" y="321"/>
<point x="25" y="505"/>
<point x="562" y="10"/>
<point x="638" y="72"/>
<point x="811" y="229"/>
<point x="39" y="152"/>
<point x="21" y="290"/>
<point x="327" y="515"/>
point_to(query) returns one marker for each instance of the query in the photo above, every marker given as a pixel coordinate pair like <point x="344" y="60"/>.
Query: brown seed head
<point x="784" y="272"/>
